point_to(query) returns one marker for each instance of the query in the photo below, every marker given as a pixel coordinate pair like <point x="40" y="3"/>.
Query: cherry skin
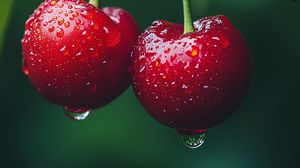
<point x="191" y="81"/>
<point x="77" y="55"/>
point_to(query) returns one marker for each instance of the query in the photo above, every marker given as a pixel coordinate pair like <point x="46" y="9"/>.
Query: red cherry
<point x="194" y="81"/>
<point x="76" y="55"/>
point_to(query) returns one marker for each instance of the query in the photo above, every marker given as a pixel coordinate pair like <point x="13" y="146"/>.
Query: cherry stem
<point x="95" y="3"/>
<point x="188" y="19"/>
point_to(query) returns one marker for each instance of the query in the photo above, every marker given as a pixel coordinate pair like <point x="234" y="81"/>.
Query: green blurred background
<point x="263" y="133"/>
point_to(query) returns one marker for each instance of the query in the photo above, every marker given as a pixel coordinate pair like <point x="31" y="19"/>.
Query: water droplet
<point x="173" y="57"/>
<point x="54" y="2"/>
<point x="67" y="24"/>
<point x="29" y="22"/>
<point x="193" y="141"/>
<point x="77" y="114"/>
<point x="78" y="21"/>
<point x="75" y="14"/>
<point x="157" y="63"/>
<point x="215" y="38"/>
<point x="50" y="10"/>
<point x="70" y="6"/>
<point x="156" y="41"/>
<point x="25" y="67"/>
<point x="95" y="26"/>
<point x="54" y="18"/>
<point x="167" y="50"/>
<point x="61" y="21"/>
<point x="194" y="52"/>
<point x="60" y="33"/>
<point x="184" y="86"/>
<point x="61" y="5"/>
<point x="63" y="49"/>
<point x="45" y="24"/>
<point x="86" y="14"/>
<point x="78" y="54"/>
<point x="150" y="54"/>
<point x="51" y="29"/>
<point x="106" y="30"/>
<point x="142" y="69"/>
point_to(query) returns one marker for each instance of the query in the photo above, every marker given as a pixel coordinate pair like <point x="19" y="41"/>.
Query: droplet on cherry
<point x="25" y="67"/>
<point x="76" y="114"/>
<point x="193" y="140"/>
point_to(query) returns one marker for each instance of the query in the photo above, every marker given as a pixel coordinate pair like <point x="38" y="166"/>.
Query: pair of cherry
<point x="82" y="57"/>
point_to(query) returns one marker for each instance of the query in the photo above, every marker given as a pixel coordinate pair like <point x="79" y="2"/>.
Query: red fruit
<point x="193" y="81"/>
<point x="77" y="55"/>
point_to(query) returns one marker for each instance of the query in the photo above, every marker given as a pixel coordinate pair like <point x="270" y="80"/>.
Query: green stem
<point x="95" y="3"/>
<point x="188" y="19"/>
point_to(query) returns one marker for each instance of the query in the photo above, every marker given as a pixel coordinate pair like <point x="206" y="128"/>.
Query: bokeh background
<point x="263" y="133"/>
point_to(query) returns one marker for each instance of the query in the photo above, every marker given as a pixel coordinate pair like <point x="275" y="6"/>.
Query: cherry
<point x="191" y="81"/>
<point x="78" y="56"/>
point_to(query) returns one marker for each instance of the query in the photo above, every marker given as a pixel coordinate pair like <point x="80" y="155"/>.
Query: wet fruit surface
<point x="191" y="81"/>
<point x="76" y="55"/>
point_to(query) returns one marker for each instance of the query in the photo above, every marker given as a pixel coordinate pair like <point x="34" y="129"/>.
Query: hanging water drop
<point x="194" y="140"/>
<point x="77" y="114"/>
<point x="194" y="52"/>
<point x="25" y="67"/>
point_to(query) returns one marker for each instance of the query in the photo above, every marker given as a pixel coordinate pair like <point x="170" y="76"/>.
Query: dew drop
<point x="78" y="21"/>
<point x="45" y="24"/>
<point x="156" y="41"/>
<point x="193" y="141"/>
<point x="25" y="68"/>
<point x="54" y="18"/>
<point x="215" y="38"/>
<point x="106" y="30"/>
<point x="167" y="50"/>
<point x="60" y="33"/>
<point x="157" y="63"/>
<point x="61" y="21"/>
<point x="86" y="14"/>
<point x="95" y="26"/>
<point x="77" y="114"/>
<point x="67" y="24"/>
<point x="184" y="86"/>
<point x="150" y="54"/>
<point x="75" y="14"/>
<point x="142" y="69"/>
<point x="173" y="57"/>
<point x="29" y="22"/>
<point x="50" y="10"/>
<point x="63" y="49"/>
<point x="61" y="5"/>
<point x="194" y="52"/>
<point x="78" y="54"/>
<point x="51" y="29"/>
<point x="54" y="2"/>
